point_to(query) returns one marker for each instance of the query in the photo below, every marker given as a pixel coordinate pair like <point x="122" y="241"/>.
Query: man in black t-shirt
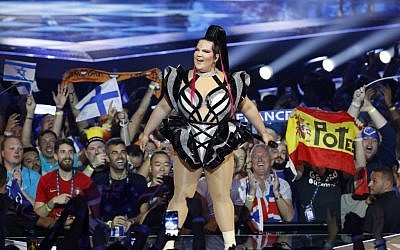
<point x="316" y="191"/>
<point x="120" y="189"/>
<point x="382" y="213"/>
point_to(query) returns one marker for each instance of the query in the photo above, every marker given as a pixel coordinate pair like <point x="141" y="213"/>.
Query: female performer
<point x="205" y="132"/>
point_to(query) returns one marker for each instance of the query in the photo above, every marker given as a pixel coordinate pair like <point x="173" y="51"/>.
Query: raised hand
<point x="12" y="122"/>
<point x="358" y="95"/>
<point x="276" y="183"/>
<point x="30" y="104"/>
<point x="252" y="182"/>
<point x="61" y="97"/>
<point x="367" y="106"/>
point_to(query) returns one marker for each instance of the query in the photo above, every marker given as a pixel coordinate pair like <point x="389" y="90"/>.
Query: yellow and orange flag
<point x="322" y="138"/>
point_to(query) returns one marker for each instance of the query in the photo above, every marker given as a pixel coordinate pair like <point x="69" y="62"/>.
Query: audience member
<point x="316" y="190"/>
<point x="382" y="198"/>
<point x="31" y="160"/>
<point x="59" y="186"/>
<point x="267" y="197"/>
<point x="120" y="189"/>
<point x="22" y="180"/>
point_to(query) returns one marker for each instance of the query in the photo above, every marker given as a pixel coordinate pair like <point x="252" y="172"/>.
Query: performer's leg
<point x="185" y="182"/>
<point x="219" y="184"/>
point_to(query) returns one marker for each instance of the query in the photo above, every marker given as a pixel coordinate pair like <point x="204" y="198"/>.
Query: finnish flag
<point x="97" y="102"/>
<point x="19" y="71"/>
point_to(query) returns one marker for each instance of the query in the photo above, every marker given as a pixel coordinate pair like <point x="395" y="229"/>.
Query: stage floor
<point x="96" y="31"/>
<point x="265" y="241"/>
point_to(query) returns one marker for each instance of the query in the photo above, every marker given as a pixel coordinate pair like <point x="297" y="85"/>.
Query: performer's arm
<point x="159" y="113"/>
<point x="250" y="111"/>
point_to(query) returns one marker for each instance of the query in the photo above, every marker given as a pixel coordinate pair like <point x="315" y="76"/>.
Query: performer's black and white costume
<point x="203" y="141"/>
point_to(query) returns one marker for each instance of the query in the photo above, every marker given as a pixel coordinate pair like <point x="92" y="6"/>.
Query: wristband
<point x="250" y="198"/>
<point x="355" y="104"/>
<point x="358" y="139"/>
<point x="8" y="133"/>
<point x="59" y="112"/>
<point x="371" y="111"/>
<point x="278" y="197"/>
<point x="90" y="168"/>
<point x="29" y="118"/>
<point x="392" y="108"/>
<point x="48" y="209"/>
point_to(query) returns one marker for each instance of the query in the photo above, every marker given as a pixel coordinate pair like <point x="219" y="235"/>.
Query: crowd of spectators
<point x="91" y="177"/>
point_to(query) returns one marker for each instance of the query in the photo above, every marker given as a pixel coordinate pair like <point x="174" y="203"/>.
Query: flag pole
<point x="4" y="91"/>
<point x="381" y="79"/>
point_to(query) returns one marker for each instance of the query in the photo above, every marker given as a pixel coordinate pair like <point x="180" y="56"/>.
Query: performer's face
<point x="204" y="57"/>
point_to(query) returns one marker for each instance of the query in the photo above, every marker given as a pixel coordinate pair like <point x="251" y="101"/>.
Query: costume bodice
<point x="216" y="103"/>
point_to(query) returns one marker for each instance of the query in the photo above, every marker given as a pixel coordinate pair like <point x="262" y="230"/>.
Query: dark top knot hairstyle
<point x="217" y="35"/>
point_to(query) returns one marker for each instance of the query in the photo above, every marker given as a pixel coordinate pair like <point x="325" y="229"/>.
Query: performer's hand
<point x="267" y="137"/>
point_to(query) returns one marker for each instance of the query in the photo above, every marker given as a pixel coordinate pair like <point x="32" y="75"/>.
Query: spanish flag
<point x="322" y="138"/>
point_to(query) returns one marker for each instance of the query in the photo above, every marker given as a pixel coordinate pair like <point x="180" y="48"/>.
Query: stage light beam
<point x="328" y="64"/>
<point x="385" y="56"/>
<point x="266" y="72"/>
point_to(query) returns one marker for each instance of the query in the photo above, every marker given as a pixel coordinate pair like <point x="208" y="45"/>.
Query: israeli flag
<point x="25" y="88"/>
<point x="19" y="71"/>
<point x="97" y="102"/>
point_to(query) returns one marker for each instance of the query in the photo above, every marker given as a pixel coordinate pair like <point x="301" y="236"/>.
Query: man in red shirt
<point x="58" y="187"/>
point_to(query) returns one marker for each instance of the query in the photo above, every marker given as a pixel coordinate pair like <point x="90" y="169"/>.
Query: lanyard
<point x="58" y="182"/>
<point x="316" y="189"/>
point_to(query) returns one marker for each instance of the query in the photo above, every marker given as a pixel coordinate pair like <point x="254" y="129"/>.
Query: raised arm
<point x="250" y="111"/>
<point x="358" y="97"/>
<point x="376" y="117"/>
<point x="159" y="113"/>
<point x="137" y="117"/>
<point x="27" y="128"/>
<point x="73" y="100"/>
<point x="60" y="99"/>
